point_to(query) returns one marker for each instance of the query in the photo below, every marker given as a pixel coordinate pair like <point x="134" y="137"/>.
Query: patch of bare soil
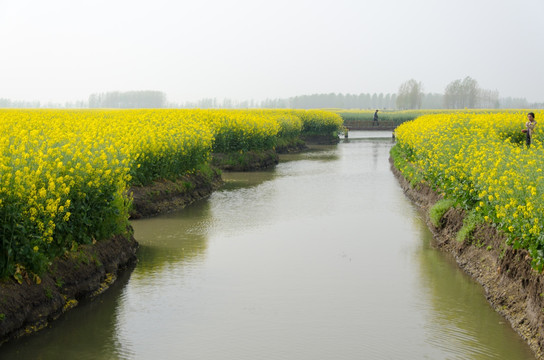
<point x="28" y="307"/>
<point x="164" y="196"/>
<point x="294" y="147"/>
<point x="245" y="161"/>
<point x="511" y="286"/>
<point x="321" y="139"/>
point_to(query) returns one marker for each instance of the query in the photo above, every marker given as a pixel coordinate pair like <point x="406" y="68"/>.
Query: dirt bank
<point x="163" y="196"/>
<point x="245" y="161"/>
<point x="320" y="139"/>
<point x="88" y="271"/>
<point x="511" y="286"/>
<point x="263" y="159"/>
<point x="28" y="307"/>
<point x="294" y="147"/>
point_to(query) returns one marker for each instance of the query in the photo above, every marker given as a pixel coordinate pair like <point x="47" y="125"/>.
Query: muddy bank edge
<point x="90" y="269"/>
<point x="85" y="272"/>
<point x="511" y="286"/>
<point x="163" y="196"/>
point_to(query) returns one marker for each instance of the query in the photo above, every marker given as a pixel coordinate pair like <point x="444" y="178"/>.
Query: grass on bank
<point x="437" y="211"/>
<point x="480" y="160"/>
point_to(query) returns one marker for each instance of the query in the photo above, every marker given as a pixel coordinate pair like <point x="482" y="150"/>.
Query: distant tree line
<point x="128" y="100"/>
<point x="7" y="103"/>
<point x="314" y="101"/>
<point x="465" y="93"/>
<point x="458" y="94"/>
<point x="214" y="103"/>
<point x="410" y="95"/>
<point x="332" y="100"/>
<point x="114" y="99"/>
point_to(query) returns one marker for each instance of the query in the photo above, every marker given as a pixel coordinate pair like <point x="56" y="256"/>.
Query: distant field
<point x="361" y="118"/>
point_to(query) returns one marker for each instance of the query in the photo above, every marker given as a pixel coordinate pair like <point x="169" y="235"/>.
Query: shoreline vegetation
<point x="363" y="119"/>
<point x="479" y="188"/>
<point x="71" y="180"/>
<point x="511" y="286"/>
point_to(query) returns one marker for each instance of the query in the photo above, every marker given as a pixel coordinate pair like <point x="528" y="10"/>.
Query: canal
<point x="322" y="257"/>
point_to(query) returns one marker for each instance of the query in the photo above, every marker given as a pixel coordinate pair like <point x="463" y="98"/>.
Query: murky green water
<point x="320" y="258"/>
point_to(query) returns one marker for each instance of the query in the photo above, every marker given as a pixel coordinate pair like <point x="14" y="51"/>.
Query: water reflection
<point x="171" y="240"/>
<point x="451" y="324"/>
<point x="238" y="180"/>
<point x="85" y="332"/>
<point x="314" y="152"/>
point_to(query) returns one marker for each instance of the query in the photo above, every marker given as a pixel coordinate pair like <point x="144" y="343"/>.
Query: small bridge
<point x="389" y="125"/>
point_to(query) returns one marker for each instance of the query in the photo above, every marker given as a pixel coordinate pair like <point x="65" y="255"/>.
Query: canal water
<point x="322" y="257"/>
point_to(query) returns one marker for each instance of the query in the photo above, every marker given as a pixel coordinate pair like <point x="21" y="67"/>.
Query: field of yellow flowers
<point x="64" y="174"/>
<point x="480" y="161"/>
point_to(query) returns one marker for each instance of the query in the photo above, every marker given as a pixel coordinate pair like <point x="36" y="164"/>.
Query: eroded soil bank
<point x="163" y="196"/>
<point x="262" y="159"/>
<point x="245" y="161"/>
<point x="511" y="286"/>
<point x="28" y="307"/>
<point x="88" y="271"/>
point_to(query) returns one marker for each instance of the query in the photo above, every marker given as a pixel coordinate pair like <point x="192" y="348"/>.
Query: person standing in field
<point x="529" y="128"/>
<point x="375" y="122"/>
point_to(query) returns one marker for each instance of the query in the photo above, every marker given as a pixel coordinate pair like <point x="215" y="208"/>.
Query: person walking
<point x="529" y="128"/>
<point x="375" y="121"/>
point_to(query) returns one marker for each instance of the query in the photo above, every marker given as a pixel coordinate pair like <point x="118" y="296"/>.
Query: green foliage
<point x="232" y="140"/>
<point x="247" y="132"/>
<point x="239" y="160"/>
<point x="290" y="126"/>
<point x="208" y="171"/>
<point x="48" y="293"/>
<point x="287" y="143"/>
<point x="97" y="213"/>
<point x="401" y="160"/>
<point x="469" y="224"/>
<point x="244" y="130"/>
<point x="438" y="210"/>
<point x="318" y="122"/>
<point x="170" y="165"/>
<point x="19" y="245"/>
<point x="188" y="186"/>
<point x="356" y="118"/>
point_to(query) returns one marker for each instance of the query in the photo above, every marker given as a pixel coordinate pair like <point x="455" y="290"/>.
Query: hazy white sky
<point x="60" y="50"/>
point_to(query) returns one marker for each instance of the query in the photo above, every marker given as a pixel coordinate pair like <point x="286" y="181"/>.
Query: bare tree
<point x="488" y="99"/>
<point x="461" y="94"/>
<point x="410" y="95"/>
